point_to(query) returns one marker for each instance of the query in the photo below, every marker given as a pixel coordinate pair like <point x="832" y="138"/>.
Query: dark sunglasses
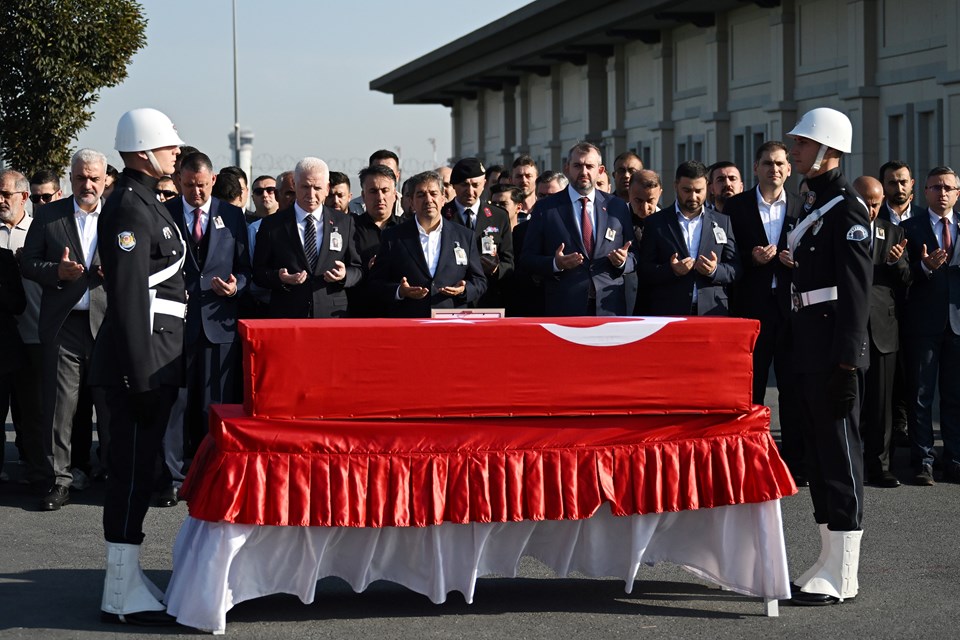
<point x="166" y="194"/>
<point x="259" y="191"/>
<point x="35" y="198"/>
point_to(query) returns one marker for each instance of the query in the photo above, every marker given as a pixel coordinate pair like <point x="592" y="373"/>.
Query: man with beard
<point x="579" y="241"/>
<point x="723" y="183"/>
<point x="379" y="192"/>
<point x="61" y="255"/>
<point x="688" y="256"/>
<point x="523" y="175"/>
<point x="644" y="191"/>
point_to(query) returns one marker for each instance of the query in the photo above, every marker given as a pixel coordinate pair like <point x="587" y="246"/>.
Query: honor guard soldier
<point x="829" y="253"/>
<point x="137" y="358"/>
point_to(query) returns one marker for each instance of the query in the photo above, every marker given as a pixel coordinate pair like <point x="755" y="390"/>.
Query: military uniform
<point x="493" y="232"/>
<point x="138" y="355"/>
<point x="831" y="288"/>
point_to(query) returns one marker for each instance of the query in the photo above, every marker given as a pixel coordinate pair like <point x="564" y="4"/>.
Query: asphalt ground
<point x="51" y="578"/>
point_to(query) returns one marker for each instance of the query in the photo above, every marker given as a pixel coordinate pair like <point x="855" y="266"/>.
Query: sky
<point x="304" y="72"/>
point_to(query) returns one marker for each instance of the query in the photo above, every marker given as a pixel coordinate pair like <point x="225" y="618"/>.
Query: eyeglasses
<point x="941" y="187"/>
<point x="7" y="195"/>
<point x="163" y="193"/>
<point x="35" y="198"/>
<point x="259" y="191"/>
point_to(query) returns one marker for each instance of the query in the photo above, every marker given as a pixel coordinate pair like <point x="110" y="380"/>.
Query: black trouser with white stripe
<point x="137" y="422"/>
<point x="834" y="457"/>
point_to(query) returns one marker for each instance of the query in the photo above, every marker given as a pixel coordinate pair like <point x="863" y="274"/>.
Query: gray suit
<point x="67" y="335"/>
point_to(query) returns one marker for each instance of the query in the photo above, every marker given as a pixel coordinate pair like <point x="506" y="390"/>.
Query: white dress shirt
<point x="87" y="228"/>
<point x="430" y="243"/>
<point x="772" y="215"/>
<point x="895" y="217"/>
<point x="12" y="238"/>
<point x="302" y="223"/>
<point x="188" y="215"/>
<point x="690" y="228"/>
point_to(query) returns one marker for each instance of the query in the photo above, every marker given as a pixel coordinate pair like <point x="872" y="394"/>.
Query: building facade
<point x="693" y="79"/>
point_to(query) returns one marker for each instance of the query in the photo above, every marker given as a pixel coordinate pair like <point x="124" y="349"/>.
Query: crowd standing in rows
<point x="129" y="302"/>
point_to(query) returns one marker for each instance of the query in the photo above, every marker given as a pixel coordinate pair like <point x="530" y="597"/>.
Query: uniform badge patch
<point x="126" y="240"/>
<point x="857" y="233"/>
<point x="810" y="198"/>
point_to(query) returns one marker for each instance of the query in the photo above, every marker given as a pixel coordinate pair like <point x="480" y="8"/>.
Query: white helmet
<point x="145" y="129"/>
<point x="829" y="127"/>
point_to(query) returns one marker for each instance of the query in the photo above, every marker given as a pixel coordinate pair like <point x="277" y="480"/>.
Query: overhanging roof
<point x="538" y="35"/>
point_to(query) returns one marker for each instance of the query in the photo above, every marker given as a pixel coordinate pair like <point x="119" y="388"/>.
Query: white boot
<point x="824" y="549"/>
<point x="125" y="588"/>
<point x="838" y="575"/>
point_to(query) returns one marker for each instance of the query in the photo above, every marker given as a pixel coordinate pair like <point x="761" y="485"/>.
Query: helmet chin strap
<point x="816" y="163"/>
<point x="156" y="165"/>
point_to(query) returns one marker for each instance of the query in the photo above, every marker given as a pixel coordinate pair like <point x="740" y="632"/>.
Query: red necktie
<point x="586" y="226"/>
<point x="197" y="226"/>
<point x="947" y="238"/>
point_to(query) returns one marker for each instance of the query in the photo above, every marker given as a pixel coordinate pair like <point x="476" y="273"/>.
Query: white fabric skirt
<point x="219" y="565"/>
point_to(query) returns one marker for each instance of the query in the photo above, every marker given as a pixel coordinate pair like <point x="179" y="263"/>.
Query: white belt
<point x="807" y="298"/>
<point x="166" y="308"/>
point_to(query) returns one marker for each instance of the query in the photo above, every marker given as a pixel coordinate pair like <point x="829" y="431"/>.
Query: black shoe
<point x="168" y="497"/>
<point x="883" y="479"/>
<point x="952" y="472"/>
<point x="140" y="619"/>
<point x="924" y="477"/>
<point x="801" y="480"/>
<point x="814" y="599"/>
<point x="55" y="498"/>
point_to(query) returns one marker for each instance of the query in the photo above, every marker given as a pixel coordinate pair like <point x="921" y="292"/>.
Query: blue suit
<point x="931" y="336"/>
<point x="211" y="345"/>
<point x="569" y="292"/>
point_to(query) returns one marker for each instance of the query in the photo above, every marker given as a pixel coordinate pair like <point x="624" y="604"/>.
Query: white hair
<point x="88" y="156"/>
<point x="310" y="165"/>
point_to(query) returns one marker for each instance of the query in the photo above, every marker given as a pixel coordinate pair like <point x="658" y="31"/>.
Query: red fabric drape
<point x="302" y="369"/>
<point x="374" y="473"/>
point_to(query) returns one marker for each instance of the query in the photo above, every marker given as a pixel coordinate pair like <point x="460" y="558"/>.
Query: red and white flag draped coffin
<point x="426" y="368"/>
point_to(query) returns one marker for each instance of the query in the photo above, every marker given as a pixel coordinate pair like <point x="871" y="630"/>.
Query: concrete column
<point x="782" y="108"/>
<point x="595" y="98"/>
<point x="614" y="135"/>
<point x="862" y="96"/>
<point x="718" y="91"/>
<point x="521" y="143"/>
<point x="456" y="135"/>
<point x="664" y="154"/>
<point x="554" y="104"/>
<point x="508" y="120"/>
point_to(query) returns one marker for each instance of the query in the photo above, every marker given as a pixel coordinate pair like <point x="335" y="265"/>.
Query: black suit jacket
<point x="567" y="293"/>
<point x="672" y="295"/>
<point x="401" y="256"/>
<point x="55" y="227"/>
<point x="492" y="221"/>
<point x="137" y="238"/>
<point x="279" y="246"/>
<point x="888" y="281"/>
<point x="752" y="291"/>
<point x="226" y="253"/>
<point x="13" y="301"/>
<point x="933" y="301"/>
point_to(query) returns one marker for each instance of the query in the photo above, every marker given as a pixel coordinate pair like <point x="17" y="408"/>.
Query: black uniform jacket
<point x="136" y="237"/>
<point x="888" y="281"/>
<point x="835" y="252"/>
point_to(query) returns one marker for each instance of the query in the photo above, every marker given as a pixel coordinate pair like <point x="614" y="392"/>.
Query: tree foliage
<point x="55" y="57"/>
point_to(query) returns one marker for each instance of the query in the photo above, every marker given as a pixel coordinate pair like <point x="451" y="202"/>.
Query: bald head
<point x="871" y="190"/>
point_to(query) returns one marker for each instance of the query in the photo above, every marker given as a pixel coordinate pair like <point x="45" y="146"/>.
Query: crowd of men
<point x="535" y="242"/>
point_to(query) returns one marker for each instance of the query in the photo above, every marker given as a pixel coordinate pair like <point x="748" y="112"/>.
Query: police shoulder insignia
<point x="857" y="233"/>
<point x="126" y="240"/>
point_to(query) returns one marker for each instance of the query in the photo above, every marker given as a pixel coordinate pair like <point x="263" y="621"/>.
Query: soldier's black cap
<point x="466" y="169"/>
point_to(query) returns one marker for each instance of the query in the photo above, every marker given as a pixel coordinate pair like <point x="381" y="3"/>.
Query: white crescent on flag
<point x="611" y="334"/>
